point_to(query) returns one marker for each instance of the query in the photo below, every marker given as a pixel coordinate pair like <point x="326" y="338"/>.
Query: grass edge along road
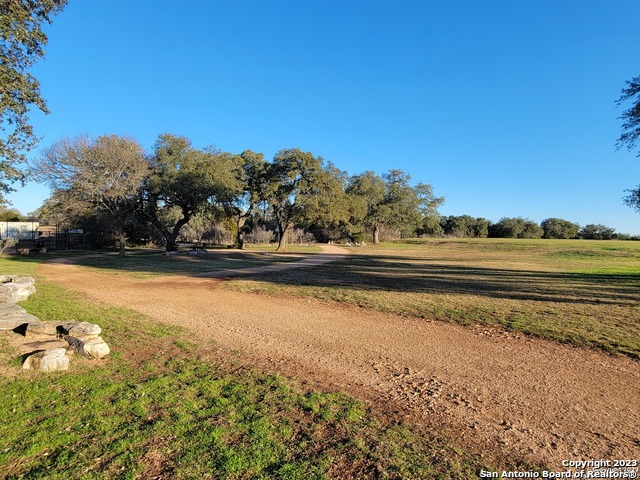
<point x="162" y="405"/>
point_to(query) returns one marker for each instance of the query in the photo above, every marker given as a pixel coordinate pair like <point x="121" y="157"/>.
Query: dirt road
<point x="500" y="393"/>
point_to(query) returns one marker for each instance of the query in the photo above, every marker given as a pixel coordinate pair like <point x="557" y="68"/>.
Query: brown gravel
<point x="504" y="395"/>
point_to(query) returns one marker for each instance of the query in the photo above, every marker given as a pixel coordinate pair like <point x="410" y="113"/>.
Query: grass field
<point x="580" y="292"/>
<point x="164" y="405"/>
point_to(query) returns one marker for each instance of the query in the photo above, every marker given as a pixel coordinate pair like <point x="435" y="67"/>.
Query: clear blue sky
<point x="507" y="107"/>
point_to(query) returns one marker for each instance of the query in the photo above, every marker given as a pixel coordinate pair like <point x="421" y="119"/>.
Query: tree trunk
<point x="122" y="241"/>
<point x="376" y="234"/>
<point x="240" y="234"/>
<point x="282" y="240"/>
<point x="170" y="236"/>
<point x="172" y="243"/>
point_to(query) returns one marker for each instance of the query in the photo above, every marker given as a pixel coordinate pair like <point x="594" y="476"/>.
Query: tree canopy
<point x="631" y="131"/>
<point x="559" y="228"/>
<point x="100" y="177"/>
<point x="22" y="43"/>
<point x="181" y="183"/>
<point x="631" y="116"/>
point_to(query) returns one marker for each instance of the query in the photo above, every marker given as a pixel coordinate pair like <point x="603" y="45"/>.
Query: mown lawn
<point x="163" y="405"/>
<point x="581" y="292"/>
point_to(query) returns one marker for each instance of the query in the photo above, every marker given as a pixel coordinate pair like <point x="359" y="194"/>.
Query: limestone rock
<point x="6" y="278"/>
<point x="44" y="328"/>
<point x="12" y="316"/>
<point x="48" y="360"/>
<point x="96" y="348"/>
<point x="83" y="330"/>
<point x="16" y="290"/>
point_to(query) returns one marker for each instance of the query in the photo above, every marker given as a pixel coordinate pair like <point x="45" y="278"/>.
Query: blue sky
<point x="506" y="107"/>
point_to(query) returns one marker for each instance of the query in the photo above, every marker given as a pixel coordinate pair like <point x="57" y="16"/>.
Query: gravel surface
<point x="497" y="393"/>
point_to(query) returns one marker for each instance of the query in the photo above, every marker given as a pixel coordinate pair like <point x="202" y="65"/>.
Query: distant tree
<point x="22" y="43"/>
<point x="597" y="232"/>
<point x="459" y="226"/>
<point x="481" y="227"/>
<point x="431" y="226"/>
<point x="100" y="177"/>
<point x="367" y="193"/>
<point x="183" y="181"/>
<point x="390" y="201"/>
<point x="246" y="191"/>
<point x="559" y="228"/>
<point x="11" y="215"/>
<point x="515" y="228"/>
<point x="428" y="205"/>
<point x="403" y="206"/>
<point x="325" y="206"/>
<point x="288" y="179"/>
<point x="465" y="226"/>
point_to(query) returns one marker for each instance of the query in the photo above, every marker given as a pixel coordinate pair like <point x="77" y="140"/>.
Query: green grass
<point x="163" y="405"/>
<point x="580" y="292"/>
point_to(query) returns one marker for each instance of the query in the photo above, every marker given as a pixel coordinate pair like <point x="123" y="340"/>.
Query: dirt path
<point x="330" y="253"/>
<point x="499" y="393"/>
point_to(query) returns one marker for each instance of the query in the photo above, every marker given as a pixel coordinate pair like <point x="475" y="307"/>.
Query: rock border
<point x="82" y="338"/>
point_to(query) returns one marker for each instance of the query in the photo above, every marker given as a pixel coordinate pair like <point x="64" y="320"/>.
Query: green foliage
<point x="515" y="228"/>
<point x="597" y="232"/>
<point x="631" y="117"/>
<point x="633" y="198"/>
<point x="21" y="46"/>
<point x="559" y="228"/>
<point x="292" y="179"/>
<point x="11" y="215"/>
<point x="431" y="227"/>
<point x="390" y="201"/>
<point x="95" y="179"/>
<point x="631" y="131"/>
<point x="465" y="226"/>
<point x="245" y="191"/>
<point x="182" y="182"/>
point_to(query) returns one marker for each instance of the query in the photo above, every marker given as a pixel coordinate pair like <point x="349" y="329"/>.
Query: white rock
<point x="48" y="360"/>
<point x="16" y="290"/>
<point x="12" y="316"/>
<point x="43" y="328"/>
<point x="96" y="347"/>
<point x="83" y="330"/>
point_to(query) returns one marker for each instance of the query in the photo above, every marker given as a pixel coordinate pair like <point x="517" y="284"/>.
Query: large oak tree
<point x="22" y="43"/>
<point x="100" y="177"/>
<point x="183" y="182"/>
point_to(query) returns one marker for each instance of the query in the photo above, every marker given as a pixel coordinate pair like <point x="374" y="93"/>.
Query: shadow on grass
<point x="386" y="273"/>
<point x="389" y="273"/>
<point x="158" y="263"/>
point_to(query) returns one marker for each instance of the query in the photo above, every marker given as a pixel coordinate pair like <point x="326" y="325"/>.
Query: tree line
<point x="111" y="183"/>
<point x="466" y="226"/>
